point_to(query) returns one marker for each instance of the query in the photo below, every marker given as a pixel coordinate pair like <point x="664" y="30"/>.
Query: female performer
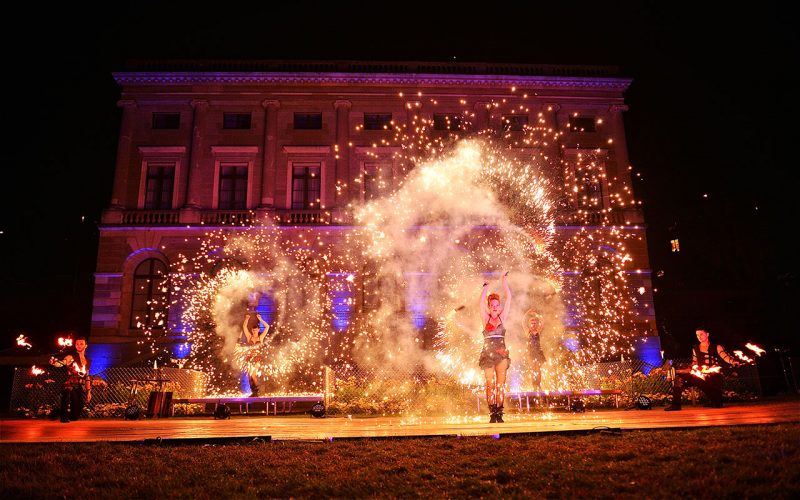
<point x="253" y="339"/>
<point x="494" y="358"/>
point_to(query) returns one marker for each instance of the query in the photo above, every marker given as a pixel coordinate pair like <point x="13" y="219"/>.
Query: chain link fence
<point x="350" y="390"/>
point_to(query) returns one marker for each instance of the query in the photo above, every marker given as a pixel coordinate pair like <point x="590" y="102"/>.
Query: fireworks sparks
<point x="396" y="288"/>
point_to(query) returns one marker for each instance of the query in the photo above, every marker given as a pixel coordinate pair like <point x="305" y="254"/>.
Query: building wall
<point x="129" y="234"/>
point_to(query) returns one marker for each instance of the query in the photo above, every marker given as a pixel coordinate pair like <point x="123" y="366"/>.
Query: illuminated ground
<point x="308" y="428"/>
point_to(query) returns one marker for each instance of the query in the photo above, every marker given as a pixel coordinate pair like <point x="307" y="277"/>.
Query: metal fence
<point x="350" y="390"/>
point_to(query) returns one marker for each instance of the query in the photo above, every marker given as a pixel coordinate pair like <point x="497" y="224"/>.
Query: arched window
<point x="150" y="300"/>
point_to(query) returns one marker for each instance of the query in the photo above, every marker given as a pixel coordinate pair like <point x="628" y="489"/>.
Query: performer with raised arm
<point x="494" y="358"/>
<point x="77" y="389"/>
<point x="254" y="338"/>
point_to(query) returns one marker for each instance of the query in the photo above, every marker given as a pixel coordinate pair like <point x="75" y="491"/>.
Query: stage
<point x="302" y="427"/>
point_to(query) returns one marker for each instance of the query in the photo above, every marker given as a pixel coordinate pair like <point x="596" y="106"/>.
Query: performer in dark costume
<point x="494" y="358"/>
<point x="77" y="389"/>
<point x="534" y="330"/>
<point x="705" y="373"/>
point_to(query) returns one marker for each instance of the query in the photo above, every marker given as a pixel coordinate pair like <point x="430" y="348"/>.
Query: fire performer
<point x="706" y="372"/>
<point x="534" y="329"/>
<point x="77" y="389"/>
<point x="494" y="358"/>
<point x="253" y="340"/>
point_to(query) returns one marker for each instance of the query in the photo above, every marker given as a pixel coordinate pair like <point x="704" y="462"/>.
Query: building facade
<point x="205" y="145"/>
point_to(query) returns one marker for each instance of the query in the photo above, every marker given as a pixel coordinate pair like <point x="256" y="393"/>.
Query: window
<point x="166" y="120"/>
<point x="305" y="185"/>
<point x="451" y="121"/>
<point x="377" y="179"/>
<point x="377" y="121"/>
<point x="159" y="184"/>
<point x="589" y="188"/>
<point x="676" y="245"/>
<point x="514" y="123"/>
<point x="236" y="121"/>
<point x="581" y="124"/>
<point x="232" y="186"/>
<point x="150" y="300"/>
<point x="308" y="121"/>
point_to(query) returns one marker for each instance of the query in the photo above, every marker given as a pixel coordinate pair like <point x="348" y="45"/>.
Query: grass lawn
<point x="721" y="462"/>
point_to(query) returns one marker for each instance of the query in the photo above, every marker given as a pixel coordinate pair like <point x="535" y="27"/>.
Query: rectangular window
<point x="236" y="121"/>
<point x="166" y="120"/>
<point x="377" y="180"/>
<point x="308" y="121"/>
<point x="582" y="124"/>
<point x="159" y="184"/>
<point x="514" y="123"/>
<point x="588" y="187"/>
<point x="377" y="121"/>
<point x="448" y="121"/>
<point x="306" y="182"/>
<point x="232" y="186"/>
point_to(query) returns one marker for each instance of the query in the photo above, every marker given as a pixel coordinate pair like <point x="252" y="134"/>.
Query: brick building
<point x="208" y="144"/>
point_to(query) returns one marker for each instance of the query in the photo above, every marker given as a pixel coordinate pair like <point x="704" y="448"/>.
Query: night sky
<point x="710" y="114"/>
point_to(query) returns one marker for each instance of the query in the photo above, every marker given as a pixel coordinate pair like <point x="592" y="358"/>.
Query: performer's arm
<point x="725" y="356"/>
<point x="266" y="328"/>
<point x="507" y="306"/>
<point x="484" y="307"/>
<point x="244" y="327"/>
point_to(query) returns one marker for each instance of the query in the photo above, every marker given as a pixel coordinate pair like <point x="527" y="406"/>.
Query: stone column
<point x="200" y="107"/>
<point x="341" y="153"/>
<point x="620" y="144"/>
<point x="270" y="153"/>
<point x="122" y="171"/>
<point x="481" y="120"/>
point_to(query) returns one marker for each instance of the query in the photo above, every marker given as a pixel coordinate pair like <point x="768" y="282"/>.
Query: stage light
<point x="222" y="412"/>
<point x="643" y="403"/>
<point x="577" y="406"/>
<point x="132" y="412"/>
<point x="318" y="410"/>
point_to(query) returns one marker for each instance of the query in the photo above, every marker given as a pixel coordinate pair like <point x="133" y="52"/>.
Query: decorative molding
<point x="162" y="150"/>
<point x="234" y="150"/>
<point x="267" y="78"/>
<point x="342" y="104"/>
<point x="271" y="103"/>
<point x="125" y="103"/>
<point x="307" y="150"/>
<point x="616" y="108"/>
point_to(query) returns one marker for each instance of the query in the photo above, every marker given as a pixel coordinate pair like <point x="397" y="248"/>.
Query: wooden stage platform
<point x="305" y="427"/>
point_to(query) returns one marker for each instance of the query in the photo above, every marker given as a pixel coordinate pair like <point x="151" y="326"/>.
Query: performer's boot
<point x="499" y="414"/>
<point x="492" y="414"/>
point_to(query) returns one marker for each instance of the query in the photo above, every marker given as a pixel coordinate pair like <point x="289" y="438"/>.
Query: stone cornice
<point x="308" y="150"/>
<point x="162" y="150"/>
<point x="231" y="150"/>
<point x="131" y="79"/>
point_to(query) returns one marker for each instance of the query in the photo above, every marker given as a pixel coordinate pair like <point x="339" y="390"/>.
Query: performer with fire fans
<point x="77" y="389"/>
<point x="494" y="358"/>
<point x="704" y="374"/>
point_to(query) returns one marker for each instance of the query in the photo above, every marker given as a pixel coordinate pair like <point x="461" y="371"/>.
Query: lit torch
<point x="64" y="342"/>
<point x="759" y="351"/>
<point x="702" y="371"/>
<point x="22" y="341"/>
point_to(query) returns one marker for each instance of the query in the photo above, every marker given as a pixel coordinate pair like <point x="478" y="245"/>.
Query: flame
<point x="759" y="351"/>
<point x="702" y="371"/>
<point x="22" y="341"/>
<point x="36" y="370"/>
<point x="740" y="355"/>
<point x="80" y="370"/>
<point x="64" y="342"/>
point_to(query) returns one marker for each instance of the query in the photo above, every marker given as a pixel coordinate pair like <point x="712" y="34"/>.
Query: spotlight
<point x="318" y="410"/>
<point x="577" y="406"/>
<point x="222" y="412"/>
<point x="644" y="403"/>
<point x="132" y="412"/>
